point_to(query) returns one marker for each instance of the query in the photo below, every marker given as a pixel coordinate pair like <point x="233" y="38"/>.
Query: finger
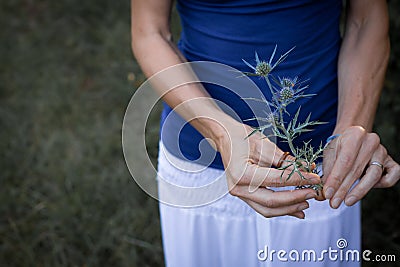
<point x="257" y="176"/>
<point x="372" y="176"/>
<point x="278" y="157"/>
<point x="298" y="214"/>
<point x="347" y="149"/>
<point x="274" y="212"/>
<point x="329" y="158"/>
<point x="265" y="153"/>
<point x="287" y="164"/>
<point x="271" y="199"/>
<point x="370" y="146"/>
<point x="320" y="195"/>
<point x="392" y="174"/>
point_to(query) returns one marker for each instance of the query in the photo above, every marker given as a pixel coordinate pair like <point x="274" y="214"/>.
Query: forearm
<point x="361" y="69"/>
<point x="156" y="53"/>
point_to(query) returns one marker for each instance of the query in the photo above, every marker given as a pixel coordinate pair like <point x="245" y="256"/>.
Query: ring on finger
<point x="377" y="164"/>
<point x="282" y="159"/>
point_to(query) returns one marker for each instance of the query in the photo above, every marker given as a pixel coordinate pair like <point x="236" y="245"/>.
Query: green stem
<point x="288" y="137"/>
<point x="290" y="144"/>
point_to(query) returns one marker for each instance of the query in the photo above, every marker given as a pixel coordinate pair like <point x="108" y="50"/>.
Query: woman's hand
<point x="248" y="169"/>
<point x="349" y="158"/>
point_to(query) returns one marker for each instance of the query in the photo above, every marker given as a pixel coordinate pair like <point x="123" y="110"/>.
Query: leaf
<point x="257" y="58"/>
<point x="282" y="57"/>
<point x="253" y="132"/>
<point x="248" y="64"/>
<point x="296" y="116"/>
<point x="250" y="74"/>
<point x="272" y="56"/>
<point x="290" y="174"/>
<point x="262" y="100"/>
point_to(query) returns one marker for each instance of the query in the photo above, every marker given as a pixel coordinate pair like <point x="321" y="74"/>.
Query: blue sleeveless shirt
<point x="227" y="31"/>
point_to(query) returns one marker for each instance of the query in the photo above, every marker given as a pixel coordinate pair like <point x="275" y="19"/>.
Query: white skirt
<point x="228" y="232"/>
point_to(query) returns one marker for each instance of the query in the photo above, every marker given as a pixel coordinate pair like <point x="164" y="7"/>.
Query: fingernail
<point x="329" y="192"/>
<point x="350" y="201"/>
<point x="336" y="203"/>
<point x="302" y="207"/>
<point x="311" y="195"/>
<point x="302" y="217"/>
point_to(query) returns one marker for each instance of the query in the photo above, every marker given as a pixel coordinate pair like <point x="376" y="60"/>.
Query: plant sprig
<point x="286" y="91"/>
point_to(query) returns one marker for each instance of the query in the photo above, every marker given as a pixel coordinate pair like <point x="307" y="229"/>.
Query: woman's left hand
<point x="356" y="154"/>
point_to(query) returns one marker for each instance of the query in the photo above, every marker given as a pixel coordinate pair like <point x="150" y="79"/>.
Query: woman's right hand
<point x="248" y="165"/>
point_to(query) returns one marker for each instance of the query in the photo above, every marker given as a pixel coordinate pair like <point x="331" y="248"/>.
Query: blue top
<point x="227" y="31"/>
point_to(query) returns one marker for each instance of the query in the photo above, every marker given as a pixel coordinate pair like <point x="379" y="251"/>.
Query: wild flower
<point x="285" y="91"/>
<point x="264" y="68"/>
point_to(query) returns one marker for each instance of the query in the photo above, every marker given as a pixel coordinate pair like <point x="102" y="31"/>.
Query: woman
<point x="242" y="228"/>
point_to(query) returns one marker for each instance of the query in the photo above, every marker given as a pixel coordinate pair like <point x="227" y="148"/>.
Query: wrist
<point x="340" y="129"/>
<point x="216" y="129"/>
<point x="355" y="117"/>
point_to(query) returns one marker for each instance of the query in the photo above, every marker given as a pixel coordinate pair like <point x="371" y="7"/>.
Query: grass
<point x="67" y="199"/>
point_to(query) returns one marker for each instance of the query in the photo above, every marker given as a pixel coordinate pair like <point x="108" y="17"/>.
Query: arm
<point x="362" y="63"/>
<point x="361" y="71"/>
<point x="155" y="51"/>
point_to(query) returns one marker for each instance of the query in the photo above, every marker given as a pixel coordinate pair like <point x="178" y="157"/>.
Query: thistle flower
<point x="264" y="68"/>
<point x="287" y="82"/>
<point x="287" y="88"/>
<point x="288" y="91"/>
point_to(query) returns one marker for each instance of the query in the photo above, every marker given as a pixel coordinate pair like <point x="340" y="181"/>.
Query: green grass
<point x="66" y="196"/>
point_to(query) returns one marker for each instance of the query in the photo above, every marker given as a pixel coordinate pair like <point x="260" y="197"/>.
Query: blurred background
<point x="66" y="196"/>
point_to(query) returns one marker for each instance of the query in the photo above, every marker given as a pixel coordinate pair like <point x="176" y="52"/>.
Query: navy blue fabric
<point x="231" y="30"/>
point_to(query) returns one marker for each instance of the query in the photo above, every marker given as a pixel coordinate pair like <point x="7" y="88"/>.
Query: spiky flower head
<point x="287" y="82"/>
<point x="263" y="69"/>
<point x="286" y="93"/>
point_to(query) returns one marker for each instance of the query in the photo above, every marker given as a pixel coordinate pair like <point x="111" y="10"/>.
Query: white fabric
<point x="227" y="232"/>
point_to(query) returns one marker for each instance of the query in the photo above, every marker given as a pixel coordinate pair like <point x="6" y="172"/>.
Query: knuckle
<point x="235" y="191"/>
<point x="334" y="181"/>
<point x="270" y="202"/>
<point x="385" y="183"/>
<point x="294" y="208"/>
<point x="383" y="151"/>
<point x="346" y="161"/>
<point x="357" y="131"/>
<point x="342" y="192"/>
<point x="374" y="139"/>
